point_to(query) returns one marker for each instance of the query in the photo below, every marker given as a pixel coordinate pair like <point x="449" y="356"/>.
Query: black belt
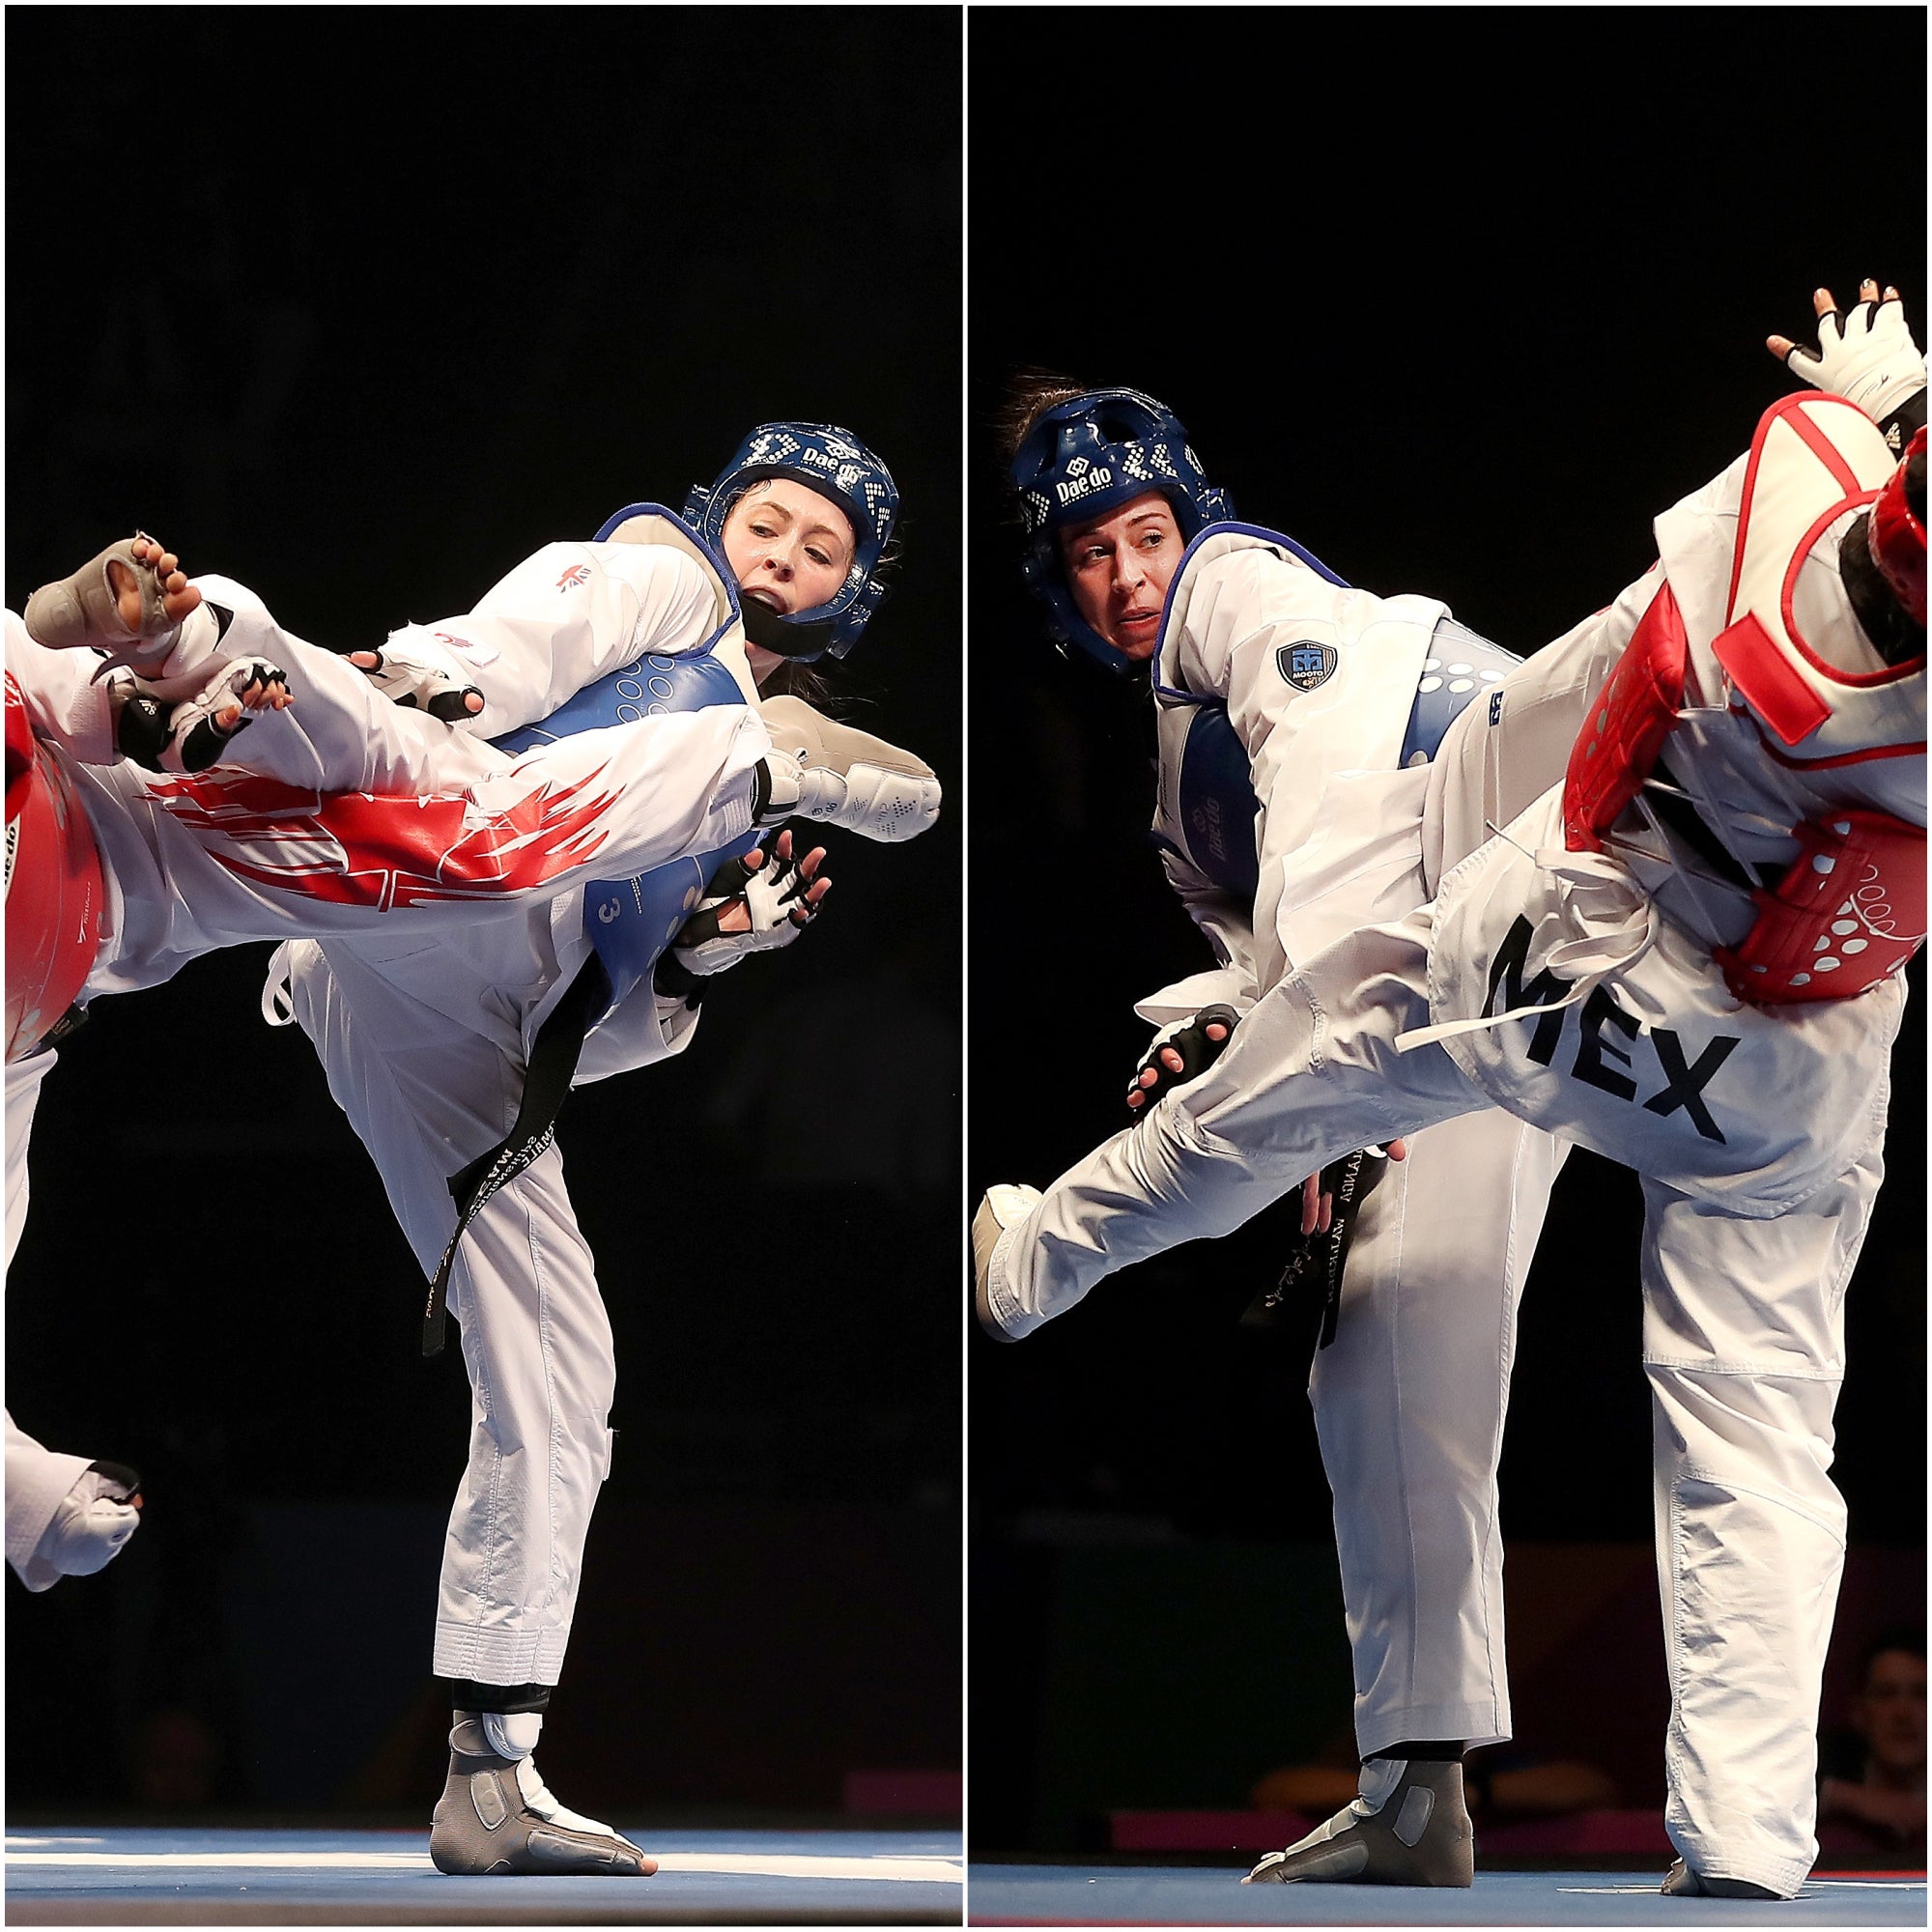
<point x="553" y="1058"/>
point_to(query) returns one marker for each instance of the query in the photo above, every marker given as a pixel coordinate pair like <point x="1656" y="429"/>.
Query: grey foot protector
<point x="80" y="610"/>
<point x="1408" y="1827"/>
<point x="1681" y="1882"/>
<point x="846" y="776"/>
<point x="483" y="1825"/>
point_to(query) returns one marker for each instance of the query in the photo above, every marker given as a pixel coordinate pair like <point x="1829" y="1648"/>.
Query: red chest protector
<point x="1851" y="907"/>
<point x="53" y="888"/>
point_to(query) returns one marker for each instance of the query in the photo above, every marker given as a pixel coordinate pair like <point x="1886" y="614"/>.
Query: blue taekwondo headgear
<point x="1093" y="454"/>
<point x="835" y="463"/>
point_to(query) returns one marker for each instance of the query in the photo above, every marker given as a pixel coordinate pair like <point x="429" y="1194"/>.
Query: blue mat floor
<point x="1168" y="1895"/>
<point x="124" y="1877"/>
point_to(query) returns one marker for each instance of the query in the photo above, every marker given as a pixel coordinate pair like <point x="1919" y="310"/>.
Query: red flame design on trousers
<point x="356" y="849"/>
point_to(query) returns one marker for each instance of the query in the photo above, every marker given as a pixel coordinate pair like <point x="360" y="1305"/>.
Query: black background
<point x="1460" y="299"/>
<point x="361" y="306"/>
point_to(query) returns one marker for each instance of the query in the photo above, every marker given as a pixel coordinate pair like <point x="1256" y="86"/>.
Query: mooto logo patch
<point x="1306" y="665"/>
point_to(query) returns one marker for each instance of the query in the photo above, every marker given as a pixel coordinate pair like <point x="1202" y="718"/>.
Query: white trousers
<point x="37" y="1477"/>
<point x="1410" y="1398"/>
<point x="346" y="814"/>
<point x="1742" y="1343"/>
<point x="427" y="1094"/>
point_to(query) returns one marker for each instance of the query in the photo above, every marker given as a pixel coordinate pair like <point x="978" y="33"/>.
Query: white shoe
<point x="825" y="771"/>
<point x="1002" y="1206"/>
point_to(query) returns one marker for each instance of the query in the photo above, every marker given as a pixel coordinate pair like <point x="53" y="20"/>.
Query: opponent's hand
<point x="415" y="671"/>
<point x="1181" y="1051"/>
<point x="1867" y="356"/>
<point x="753" y="904"/>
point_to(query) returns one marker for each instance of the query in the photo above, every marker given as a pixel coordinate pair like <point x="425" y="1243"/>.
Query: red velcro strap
<point x="1848" y="910"/>
<point x="1632" y="716"/>
<point x="1772" y="687"/>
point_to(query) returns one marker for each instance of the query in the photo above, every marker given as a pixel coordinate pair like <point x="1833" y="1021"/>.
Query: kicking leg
<point x="1310" y="1075"/>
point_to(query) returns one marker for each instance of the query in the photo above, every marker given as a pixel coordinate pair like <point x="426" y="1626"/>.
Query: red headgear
<point x="1897" y="536"/>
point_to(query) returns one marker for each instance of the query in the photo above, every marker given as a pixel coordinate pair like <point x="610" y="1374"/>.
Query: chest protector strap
<point x="1850" y="910"/>
<point x="1623" y="736"/>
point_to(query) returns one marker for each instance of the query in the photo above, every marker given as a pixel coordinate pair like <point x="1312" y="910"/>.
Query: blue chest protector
<point x="1213" y="789"/>
<point x="630" y="922"/>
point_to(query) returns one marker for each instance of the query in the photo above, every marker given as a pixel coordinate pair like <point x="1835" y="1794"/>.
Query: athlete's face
<point x="1891" y="1712"/>
<point x="788" y="546"/>
<point x="1119" y="567"/>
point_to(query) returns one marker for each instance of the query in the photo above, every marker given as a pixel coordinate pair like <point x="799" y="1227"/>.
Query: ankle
<point x="1423" y="1750"/>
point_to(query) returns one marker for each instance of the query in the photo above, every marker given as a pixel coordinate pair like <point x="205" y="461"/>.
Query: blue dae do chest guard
<point x="1089" y="455"/>
<point x="835" y="464"/>
<point x="630" y="922"/>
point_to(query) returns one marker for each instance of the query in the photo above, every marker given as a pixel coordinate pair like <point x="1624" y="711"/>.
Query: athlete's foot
<point x="497" y="1817"/>
<point x="129" y="602"/>
<point x="1681" y="1882"/>
<point x="993" y="1305"/>
<point x="1409" y="1825"/>
<point x="822" y="770"/>
<point x="162" y="568"/>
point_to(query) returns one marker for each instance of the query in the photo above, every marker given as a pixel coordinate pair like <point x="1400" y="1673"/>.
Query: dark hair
<point x="1030" y="394"/>
<point x="1882" y="617"/>
<point x="1907" y="1637"/>
<point x="790" y="678"/>
<point x="1886" y="622"/>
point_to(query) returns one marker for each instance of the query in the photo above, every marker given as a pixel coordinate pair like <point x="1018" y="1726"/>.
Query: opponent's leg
<point x="1310" y="1075"/>
<point x="129" y="601"/>
<point x="1744" y="1344"/>
<point x="66" y="1516"/>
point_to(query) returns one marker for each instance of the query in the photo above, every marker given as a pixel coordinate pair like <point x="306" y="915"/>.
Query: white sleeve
<point x="1248" y="610"/>
<point x="568" y="616"/>
<point x="1251" y="614"/>
<point x="1227" y="927"/>
<point x="63" y="705"/>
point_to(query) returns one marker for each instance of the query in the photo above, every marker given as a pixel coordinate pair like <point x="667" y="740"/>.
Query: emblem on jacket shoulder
<point x="1305" y="665"/>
